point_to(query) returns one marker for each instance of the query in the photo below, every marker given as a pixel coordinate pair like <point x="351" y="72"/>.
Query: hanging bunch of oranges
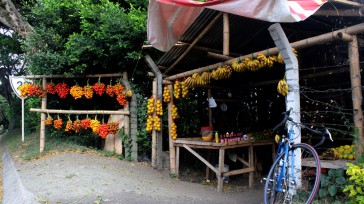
<point x="150" y="106"/>
<point x="69" y="125"/>
<point x="50" y="88"/>
<point x="113" y="127"/>
<point x="88" y="91"/>
<point x="58" y="123"/>
<point x="86" y="123"/>
<point x="28" y="89"/>
<point x="49" y="120"/>
<point x="103" y="130"/>
<point x="62" y="90"/>
<point x="177" y="89"/>
<point x="77" y="125"/>
<point x="158" y="107"/>
<point x="94" y="125"/>
<point x="173" y="132"/>
<point x="166" y="95"/>
<point x="76" y="91"/>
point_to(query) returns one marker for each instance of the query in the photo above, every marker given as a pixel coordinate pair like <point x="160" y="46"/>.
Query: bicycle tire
<point x="307" y="191"/>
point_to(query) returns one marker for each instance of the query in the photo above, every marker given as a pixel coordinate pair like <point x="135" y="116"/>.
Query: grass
<point x="29" y="149"/>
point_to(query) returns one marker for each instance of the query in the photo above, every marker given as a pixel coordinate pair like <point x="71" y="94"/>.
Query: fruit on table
<point x="344" y="152"/>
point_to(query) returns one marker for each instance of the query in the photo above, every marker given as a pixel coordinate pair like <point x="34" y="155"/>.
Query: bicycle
<point x="288" y="181"/>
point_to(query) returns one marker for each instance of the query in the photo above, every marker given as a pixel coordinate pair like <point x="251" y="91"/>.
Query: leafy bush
<point x="333" y="183"/>
<point x="356" y="186"/>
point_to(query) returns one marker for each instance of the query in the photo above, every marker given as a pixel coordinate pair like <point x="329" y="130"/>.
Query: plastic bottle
<point x="216" y="137"/>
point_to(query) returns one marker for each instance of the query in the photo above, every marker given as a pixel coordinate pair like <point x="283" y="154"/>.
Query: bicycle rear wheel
<point x="293" y="192"/>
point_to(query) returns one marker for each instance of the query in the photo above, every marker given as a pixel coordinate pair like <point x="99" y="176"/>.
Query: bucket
<point x="226" y="169"/>
<point x="206" y="131"/>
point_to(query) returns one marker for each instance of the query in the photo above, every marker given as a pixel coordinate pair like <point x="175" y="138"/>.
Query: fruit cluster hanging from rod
<point x="101" y="128"/>
<point x="62" y="90"/>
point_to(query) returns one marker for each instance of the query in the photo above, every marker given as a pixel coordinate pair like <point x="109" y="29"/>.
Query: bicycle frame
<point x="283" y="148"/>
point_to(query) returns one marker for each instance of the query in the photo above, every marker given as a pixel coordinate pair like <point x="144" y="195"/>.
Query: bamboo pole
<point x="226" y="44"/>
<point x="320" y="39"/>
<point x="194" y="43"/>
<point x="63" y="76"/>
<point x="356" y="94"/>
<point x="44" y="110"/>
<point x="172" y="151"/>
<point x="42" y="119"/>
<point x="154" y="133"/>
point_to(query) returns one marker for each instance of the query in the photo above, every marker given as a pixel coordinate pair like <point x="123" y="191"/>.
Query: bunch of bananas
<point x="173" y="132"/>
<point x="158" y="107"/>
<point x="184" y="88"/>
<point x="167" y="95"/>
<point x="176" y="89"/>
<point x="150" y="106"/>
<point x="282" y="87"/>
<point x="174" y="112"/>
<point x="223" y="72"/>
<point x="280" y="58"/>
<point x="189" y="82"/>
<point x="157" y="123"/>
<point x="150" y="122"/>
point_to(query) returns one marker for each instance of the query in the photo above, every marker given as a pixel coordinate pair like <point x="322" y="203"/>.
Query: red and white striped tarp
<point x="169" y="19"/>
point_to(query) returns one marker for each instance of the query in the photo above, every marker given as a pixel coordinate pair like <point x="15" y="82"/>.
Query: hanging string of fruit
<point x="76" y="91"/>
<point x="88" y="91"/>
<point x="121" y="99"/>
<point x="150" y="106"/>
<point x="166" y="95"/>
<point x="159" y="107"/>
<point x="50" y="88"/>
<point x="95" y="125"/>
<point x="28" y="89"/>
<point x="110" y="90"/>
<point x="103" y="130"/>
<point x="58" y="123"/>
<point x="118" y="88"/>
<point x="150" y="124"/>
<point x="69" y="125"/>
<point x="176" y="90"/>
<point x="62" y="90"/>
<point x="157" y="123"/>
<point x="282" y="86"/>
<point x="49" y="120"/>
<point x="173" y="132"/>
<point x="99" y="87"/>
<point x="174" y="112"/>
<point x="184" y="88"/>
<point x="86" y="123"/>
<point x="77" y="125"/>
<point x="113" y="127"/>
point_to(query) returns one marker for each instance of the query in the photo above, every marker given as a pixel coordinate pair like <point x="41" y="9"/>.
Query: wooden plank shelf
<point x="329" y="164"/>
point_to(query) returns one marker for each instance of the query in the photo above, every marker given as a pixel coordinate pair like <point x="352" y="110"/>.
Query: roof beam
<point x="194" y="43"/>
<point x="340" y="12"/>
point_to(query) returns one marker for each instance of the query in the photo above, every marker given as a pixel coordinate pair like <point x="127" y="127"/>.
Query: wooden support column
<point x="356" y="93"/>
<point x="118" y="148"/>
<point x="154" y="133"/>
<point x="220" y="181"/>
<point x="43" y="118"/>
<point x="226" y="48"/>
<point x="172" y="151"/>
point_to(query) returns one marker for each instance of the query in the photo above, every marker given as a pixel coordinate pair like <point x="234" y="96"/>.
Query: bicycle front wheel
<point x="298" y="185"/>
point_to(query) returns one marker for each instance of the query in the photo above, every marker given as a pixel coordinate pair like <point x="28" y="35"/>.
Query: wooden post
<point x="172" y="151"/>
<point x="220" y="181"/>
<point x="154" y="133"/>
<point x="226" y="48"/>
<point x="43" y="118"/>
<point x="293" y="97"/>
<point x="356" y="94"/>
<point x="126" y="120"/>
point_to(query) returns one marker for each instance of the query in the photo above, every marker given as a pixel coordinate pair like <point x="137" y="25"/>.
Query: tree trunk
<point x="10" y="17"/>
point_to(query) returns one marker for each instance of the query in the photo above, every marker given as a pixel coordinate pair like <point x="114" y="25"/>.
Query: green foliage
<point x="356" y="186"/>
<point x="143" y="138"/>
<point x="332" y="183"/>
<point x="88" y="36"/>
<point x="31" y="119"/>
<point x="127" y="144"/>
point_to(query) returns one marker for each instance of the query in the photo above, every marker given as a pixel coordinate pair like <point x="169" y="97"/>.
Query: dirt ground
<point x="89" y="178"/>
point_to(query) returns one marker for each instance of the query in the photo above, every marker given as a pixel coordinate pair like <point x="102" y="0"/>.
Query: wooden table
<point x="198" y="143"/>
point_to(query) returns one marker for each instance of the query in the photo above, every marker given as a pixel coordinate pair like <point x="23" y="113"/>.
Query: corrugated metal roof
<point x="246" y="36"/>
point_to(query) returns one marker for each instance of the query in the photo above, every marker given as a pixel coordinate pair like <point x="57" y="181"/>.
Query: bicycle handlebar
<point x="316" y="132"/>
